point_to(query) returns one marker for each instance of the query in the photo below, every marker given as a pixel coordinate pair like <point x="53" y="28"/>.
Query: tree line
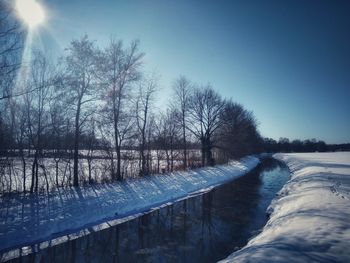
<point x="98" y="103"/>
<point x="309" y="145"/>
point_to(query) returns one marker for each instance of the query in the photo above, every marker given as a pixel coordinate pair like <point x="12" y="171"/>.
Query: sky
<point x="287" y="61"/>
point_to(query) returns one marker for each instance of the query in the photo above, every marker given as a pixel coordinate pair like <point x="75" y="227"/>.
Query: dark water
<point x="204" y="228"/>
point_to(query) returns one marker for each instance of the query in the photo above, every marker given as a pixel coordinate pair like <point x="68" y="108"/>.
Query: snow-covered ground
<point x="60" y="170"/>
<point x="32" y="219"/>
<point x="310" y="217"/>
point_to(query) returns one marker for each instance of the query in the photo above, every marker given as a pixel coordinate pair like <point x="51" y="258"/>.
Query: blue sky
<point x="287" y="61"/>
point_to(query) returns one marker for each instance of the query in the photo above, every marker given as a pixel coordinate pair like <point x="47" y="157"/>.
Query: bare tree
<point x="204" y="112"/>
<point x="149" y="135"/>
<point x="143" y="104"/>
<point x="168" y="136"/>
<point x="119" y="68"/>
<point x="182" y="91"/>
<point x="158" y="141"/>
<point x="59" y="124"/>
<point x="37" y="103"/>
<point x="238" y="132"/>
<point x="105" y="130"/>
<point x="11" y="46"/>
<point x="21" y="139"/>
<point x="16" y="117"/>
<point x="91" y="146"/>
<point x="80" y="88"/>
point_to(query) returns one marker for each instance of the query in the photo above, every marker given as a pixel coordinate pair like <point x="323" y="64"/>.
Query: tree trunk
<point x="158" y="161"/>
<point x="119" y="176"/>
<point x="172" y="159"/>
<point x="46" y="180"/>
<point x="184" y="142"/>
<point x="24" y="171"/>
<point x="143" y="162"/>
<point x="167" y="160"/>
<point x="36" y="175"/>
<point x="116" y="134"/>
<point x="203" y="151"/>
<point x="76" y="147"/>
<point x="89" y="160"/>
<point x="112" y="166"/>
<point x="142" y="152"/>
<point x="34" y="178"/>
<point x="211" y="161"/>
<point x="149" y="156"/>
<point x="56" y="162"/>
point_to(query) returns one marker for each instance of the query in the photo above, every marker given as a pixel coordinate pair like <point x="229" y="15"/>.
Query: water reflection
<point x="204" y="228"/>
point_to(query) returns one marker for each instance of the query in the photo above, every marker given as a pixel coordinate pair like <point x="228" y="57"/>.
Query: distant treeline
<point x="310" y="145"/>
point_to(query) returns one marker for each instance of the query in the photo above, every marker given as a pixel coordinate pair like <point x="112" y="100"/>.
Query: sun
<point x="31" y="12"/>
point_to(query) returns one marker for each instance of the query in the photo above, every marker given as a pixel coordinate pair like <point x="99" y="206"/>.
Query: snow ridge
<point x="310" y="217"/>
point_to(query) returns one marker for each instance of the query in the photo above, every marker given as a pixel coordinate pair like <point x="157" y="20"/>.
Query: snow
<point x="12" y="168"/>
<point x="310" y="218"/>
<point x="25" y="220"/>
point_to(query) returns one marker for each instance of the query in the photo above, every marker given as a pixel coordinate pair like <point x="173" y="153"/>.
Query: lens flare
<point x="31" y="12"/>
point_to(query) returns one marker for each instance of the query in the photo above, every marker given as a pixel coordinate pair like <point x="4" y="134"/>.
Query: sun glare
<point x="31" y="12"/>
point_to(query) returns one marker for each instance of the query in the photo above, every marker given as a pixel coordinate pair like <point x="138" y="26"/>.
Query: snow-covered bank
<point x="33" y="219"/>
<point x="310" y="218"/>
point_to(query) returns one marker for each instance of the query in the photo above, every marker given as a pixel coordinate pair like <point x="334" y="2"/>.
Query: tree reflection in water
<point x="204" y="228"/>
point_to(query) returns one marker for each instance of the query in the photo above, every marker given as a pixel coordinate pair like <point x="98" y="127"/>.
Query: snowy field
<point x="59" y="171"/>
<point x="32" y="219"/>
<point x="310" y="218"/>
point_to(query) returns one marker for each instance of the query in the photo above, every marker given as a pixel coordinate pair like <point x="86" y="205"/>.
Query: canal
<point x="203" y="228"/>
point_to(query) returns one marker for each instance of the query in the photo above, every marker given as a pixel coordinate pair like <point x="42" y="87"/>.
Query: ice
<point x="310" y="217"/>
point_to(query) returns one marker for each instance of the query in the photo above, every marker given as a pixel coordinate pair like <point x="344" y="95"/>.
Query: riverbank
<point x="33" y="219"/>
<point x="309" y="219"/>
<point x="202" y="228"/>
